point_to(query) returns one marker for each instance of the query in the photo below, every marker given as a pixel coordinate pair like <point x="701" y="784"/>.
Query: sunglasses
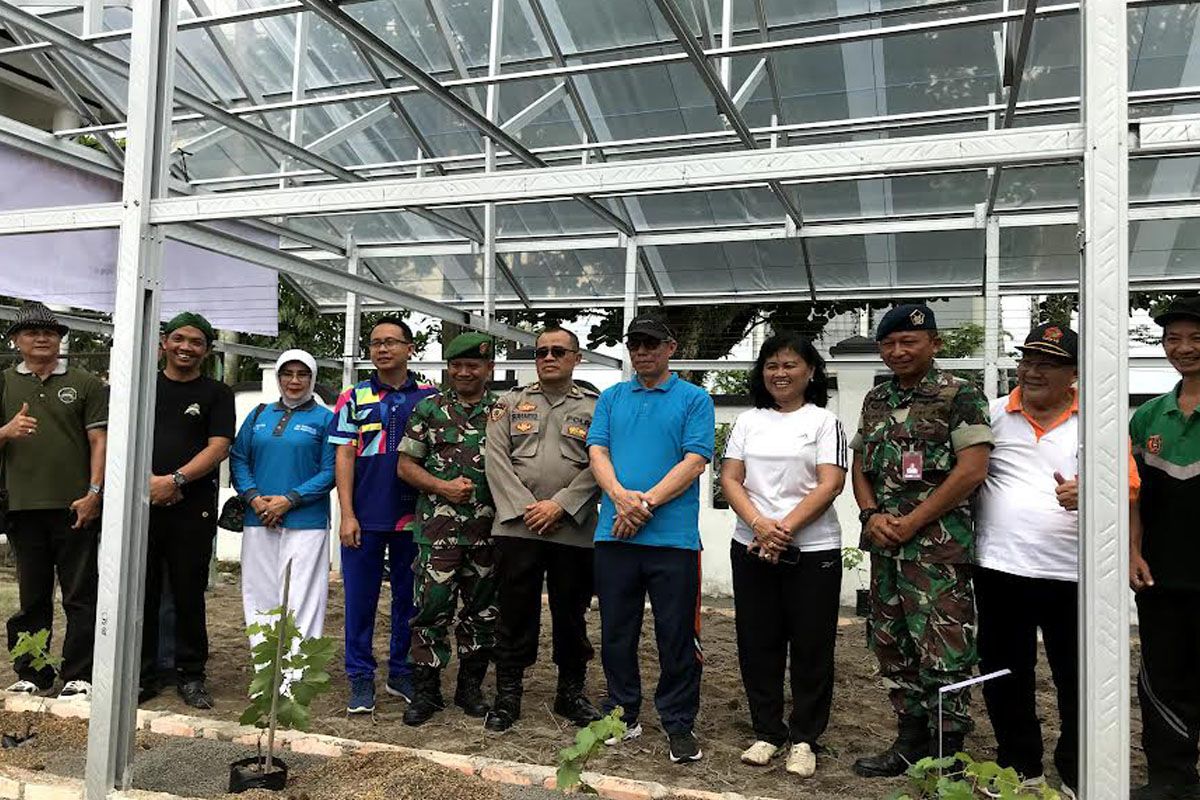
<point x="558" y="351"/>
<point x="635" y="343"/>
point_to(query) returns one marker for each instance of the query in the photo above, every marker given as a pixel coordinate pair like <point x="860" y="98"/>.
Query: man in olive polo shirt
<point x="53" y="445"/>
<point x="1164" y="563"/>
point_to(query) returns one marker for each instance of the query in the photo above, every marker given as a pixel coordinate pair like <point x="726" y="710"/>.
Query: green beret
<point x="908" y="317"/>
<point x="190" y="319"/>
<point x="471" y="345"/>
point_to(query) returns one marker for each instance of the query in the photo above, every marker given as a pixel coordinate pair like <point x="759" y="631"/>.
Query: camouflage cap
<point x="471" y="345"/>
<point x="907" y="317"/>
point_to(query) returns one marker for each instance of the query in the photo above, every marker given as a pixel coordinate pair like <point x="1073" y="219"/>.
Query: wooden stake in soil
<point x="277" y="677"/>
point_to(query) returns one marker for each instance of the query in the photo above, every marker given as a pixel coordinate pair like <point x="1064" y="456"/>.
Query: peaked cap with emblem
<point x="1053" y="340"/>
<point x="34" y="316"/>
<point x="471" y="345"/>
<point x="907" y="317"/>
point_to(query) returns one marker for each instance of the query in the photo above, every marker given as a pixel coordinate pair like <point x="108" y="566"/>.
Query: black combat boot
<point x="507" y="708"/>
<point x="469" y="693"/>
<point x="911" y="745"/>
<point x="571" y="702"/>
<point x="427" y="695"/>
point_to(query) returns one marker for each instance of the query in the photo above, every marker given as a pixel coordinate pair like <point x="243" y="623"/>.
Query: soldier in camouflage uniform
<point x="441" y="455"/>
<point x="921" y="451"/>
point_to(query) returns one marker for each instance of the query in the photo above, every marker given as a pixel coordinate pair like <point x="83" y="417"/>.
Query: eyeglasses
<point x="558" y="351"/>
<point x="387" y="344"/>
<point x="643" y="344"/>
<point x="290" y="375"/>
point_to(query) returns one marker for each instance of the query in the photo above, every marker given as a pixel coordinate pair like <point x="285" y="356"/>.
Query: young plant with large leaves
<point x="302" y="664"/>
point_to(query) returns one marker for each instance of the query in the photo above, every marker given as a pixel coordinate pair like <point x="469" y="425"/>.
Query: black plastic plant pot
<point x="862" y="602"/>
<point x="248" y="774"/>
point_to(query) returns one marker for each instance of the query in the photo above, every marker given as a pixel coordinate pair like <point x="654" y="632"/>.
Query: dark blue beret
<point x="908" y="317"/>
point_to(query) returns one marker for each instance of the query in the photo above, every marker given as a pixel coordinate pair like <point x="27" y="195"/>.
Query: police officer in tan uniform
<point x="546" y="499"/>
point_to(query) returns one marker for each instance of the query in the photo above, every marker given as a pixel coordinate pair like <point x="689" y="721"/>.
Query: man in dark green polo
<point x="1164" y="563"/>
<point x="53" y="444"/>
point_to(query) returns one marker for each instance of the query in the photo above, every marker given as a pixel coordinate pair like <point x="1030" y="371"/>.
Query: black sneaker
<point x="685" y="747"/>
<point x="196" y="695"/>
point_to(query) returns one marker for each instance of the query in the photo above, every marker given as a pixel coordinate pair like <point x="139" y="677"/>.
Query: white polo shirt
<point x="1019" y="526"/>
<point x="781" y="452"/>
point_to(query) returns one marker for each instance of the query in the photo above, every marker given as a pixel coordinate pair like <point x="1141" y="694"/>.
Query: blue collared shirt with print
<point x="372" y="416"/>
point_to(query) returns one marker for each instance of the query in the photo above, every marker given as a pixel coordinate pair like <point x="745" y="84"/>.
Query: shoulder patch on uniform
<point x="498" y="411"/>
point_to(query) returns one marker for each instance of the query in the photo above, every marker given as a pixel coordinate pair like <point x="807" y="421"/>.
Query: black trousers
<point x="522" y="566"/>
<point x="1010" y="610"/>
<point x="180" y="546"/>
<point x="1169" y="626"/>
<point x="625" y="574"/>
<point x="44" y="544"/>
<point x="782" y="610"/>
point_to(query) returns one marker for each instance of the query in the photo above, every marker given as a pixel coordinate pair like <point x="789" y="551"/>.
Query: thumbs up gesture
<point x="1067" y="492"/>
<point x="21" y="426"/>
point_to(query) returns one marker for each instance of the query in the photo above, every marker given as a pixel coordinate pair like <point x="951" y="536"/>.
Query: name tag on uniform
<point x="912" y="465"/>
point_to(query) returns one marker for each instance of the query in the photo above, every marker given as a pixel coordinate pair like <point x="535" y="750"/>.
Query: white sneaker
<point x="759" y="754"/>
<point x="76" y="690"/>
<point x="631" y="732"/>
<point x="802" y="761"/>
<point x="23" y="687"/>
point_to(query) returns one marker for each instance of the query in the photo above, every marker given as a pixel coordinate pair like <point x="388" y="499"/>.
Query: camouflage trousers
<point x="922" y="630"/>
<point x="443" y="575"/>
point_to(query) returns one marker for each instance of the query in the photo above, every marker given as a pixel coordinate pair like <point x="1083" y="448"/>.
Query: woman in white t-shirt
<point x="784" y="465"/>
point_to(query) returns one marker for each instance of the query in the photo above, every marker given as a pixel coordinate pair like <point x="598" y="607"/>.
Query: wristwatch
<point x="179" y="478"/>
<point x="95" y="488"/>
<point x="865" y="515"/>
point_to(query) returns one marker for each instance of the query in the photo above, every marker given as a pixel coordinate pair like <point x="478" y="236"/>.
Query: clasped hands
<point x="771" y="537"/>
<point x="889" y="530"/>
<point x="271" y="509"/>
<point x="634" y="509"/>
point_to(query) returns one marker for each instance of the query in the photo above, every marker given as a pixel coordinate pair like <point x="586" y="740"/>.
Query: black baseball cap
<point x="1053" y="340"/>
<point x="1180" y="308"/>
<point x="646" y="325"/>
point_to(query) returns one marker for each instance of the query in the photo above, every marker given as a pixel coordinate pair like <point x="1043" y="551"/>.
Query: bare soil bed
<point x="861" y="723"/>
<point x="199" y="768"/>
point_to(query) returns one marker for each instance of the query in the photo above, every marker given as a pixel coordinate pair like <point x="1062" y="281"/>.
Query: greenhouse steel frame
<point x="158" y="203"/>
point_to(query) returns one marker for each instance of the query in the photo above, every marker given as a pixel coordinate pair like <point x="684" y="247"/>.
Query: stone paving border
<point x="16" y="784"/>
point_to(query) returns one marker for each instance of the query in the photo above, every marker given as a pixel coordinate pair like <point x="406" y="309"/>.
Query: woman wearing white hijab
<point x="282" y="468"/>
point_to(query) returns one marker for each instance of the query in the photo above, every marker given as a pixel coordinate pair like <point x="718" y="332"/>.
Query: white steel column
<point x="353" y="320"/>
<point x="631" y="299"/>
<point x="991" y="309"/>
<point x="296" y="116"/>
<point x="1104" y="312"/>
<point x="726" y="63"/>
<point x="122" y="560"/>
<point x="489" y="209"/>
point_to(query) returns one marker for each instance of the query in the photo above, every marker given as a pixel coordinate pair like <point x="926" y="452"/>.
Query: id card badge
<point x="912" y="465"/>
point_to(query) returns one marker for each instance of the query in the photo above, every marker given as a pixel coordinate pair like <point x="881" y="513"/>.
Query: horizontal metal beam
<point x="1019" y="146"/>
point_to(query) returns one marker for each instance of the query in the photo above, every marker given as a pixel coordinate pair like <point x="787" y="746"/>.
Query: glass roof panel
<point x="955" y="192"/>
<point x="1164" y="46"/>
<point x="947" y="259"/>
<point x="1044" y="254"/>
<point x="566" y="274"/>
<point x="1164" y="248"/>
<point x="582" y="25"/>
<point x="445" y="278"/>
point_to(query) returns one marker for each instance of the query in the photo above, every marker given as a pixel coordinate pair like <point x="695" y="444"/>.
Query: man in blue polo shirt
<point x="376" y="507"/>
<point x="650" y="441"/>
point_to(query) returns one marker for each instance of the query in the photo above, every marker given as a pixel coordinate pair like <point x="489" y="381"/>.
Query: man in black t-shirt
<point x="193" y="430"/>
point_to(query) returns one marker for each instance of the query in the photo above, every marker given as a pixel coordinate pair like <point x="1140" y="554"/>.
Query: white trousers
<point x="265" y="554"/>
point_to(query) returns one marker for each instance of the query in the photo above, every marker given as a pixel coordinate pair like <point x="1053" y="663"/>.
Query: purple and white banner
<point x="77" y="268"/>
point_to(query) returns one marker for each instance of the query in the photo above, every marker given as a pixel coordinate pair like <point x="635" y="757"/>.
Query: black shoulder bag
<point x="233" y="513"/>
